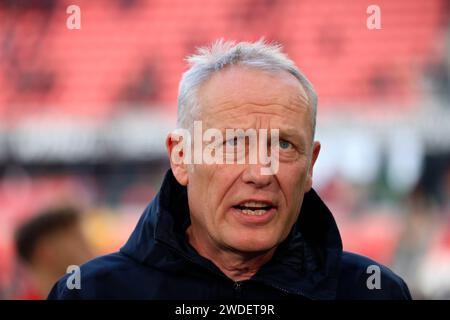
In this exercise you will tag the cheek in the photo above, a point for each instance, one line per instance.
(208, 187)
(292, 178)
(224, 187)
(222, 180)
(197, 189)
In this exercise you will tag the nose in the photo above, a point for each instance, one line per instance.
(252, 175)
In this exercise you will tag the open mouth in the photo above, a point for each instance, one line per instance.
(254, 208)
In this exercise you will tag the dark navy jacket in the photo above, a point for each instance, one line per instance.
(158, 263)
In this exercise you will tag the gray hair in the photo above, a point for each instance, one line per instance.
(209, 60)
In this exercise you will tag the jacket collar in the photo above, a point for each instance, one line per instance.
(306, 263)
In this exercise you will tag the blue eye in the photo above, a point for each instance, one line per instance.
(285, 144)
(233, 142)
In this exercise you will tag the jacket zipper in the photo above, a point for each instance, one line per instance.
(190, 259)
(237, 289)
(237, 285)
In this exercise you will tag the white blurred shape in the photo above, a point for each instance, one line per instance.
(404, 160)
(359, 156)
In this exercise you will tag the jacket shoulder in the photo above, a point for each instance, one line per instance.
(363, 278)
(100, 277)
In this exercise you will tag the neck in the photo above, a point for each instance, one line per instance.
(238, 266)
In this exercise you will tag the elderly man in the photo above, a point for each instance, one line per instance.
(228, 229)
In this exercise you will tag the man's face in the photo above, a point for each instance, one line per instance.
(234, 206)
(61, 248)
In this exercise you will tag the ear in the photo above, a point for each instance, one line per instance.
(314, 156)
(176, 145)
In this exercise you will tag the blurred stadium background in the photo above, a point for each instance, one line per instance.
(84, 114)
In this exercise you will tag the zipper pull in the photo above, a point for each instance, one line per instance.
(237, 286)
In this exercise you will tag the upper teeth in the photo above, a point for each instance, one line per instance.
(254, 212)
(254, 204)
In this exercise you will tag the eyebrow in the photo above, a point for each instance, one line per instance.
(294, 134)
(288, 133)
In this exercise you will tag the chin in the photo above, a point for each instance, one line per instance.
(252, 244)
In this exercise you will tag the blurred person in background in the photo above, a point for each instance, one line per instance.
(47, 244)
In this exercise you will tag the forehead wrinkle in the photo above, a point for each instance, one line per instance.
(237, 120)
(299, 100)
(237, 95)
(261, 108)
